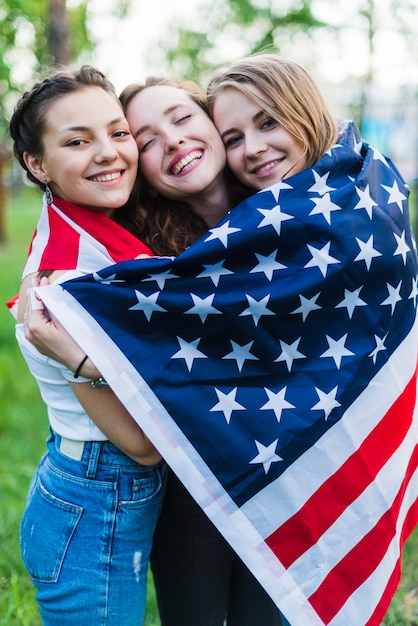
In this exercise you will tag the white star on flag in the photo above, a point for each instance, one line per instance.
(402, 248)
(108, 281)
(267, 265)
(357, 145)
(277, 188)
(147, 304)
(307, 305)
(203, 307)
(320, 187)
(188, 352)
(337, 349)
(395, 194)
(321, 258)
(214, 272)
(227, 403)
(257, 308)
(241, 353)
(367, 252)
(274, 217)
(380, 345)
(277, 402)
(327, 401)
(324, 206)
(160, 279)
(351, 301)
(222, 233)
(378, 156)
(414, 292)
(394, 296)
(366, 201)
(266, 455)
(289, 353)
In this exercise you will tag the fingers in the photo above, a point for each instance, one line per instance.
(34, 301)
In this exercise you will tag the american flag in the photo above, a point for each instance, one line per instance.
(273, 364)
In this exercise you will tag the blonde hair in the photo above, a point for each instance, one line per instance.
(297, 103)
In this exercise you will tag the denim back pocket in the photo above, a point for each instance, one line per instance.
(47, 527)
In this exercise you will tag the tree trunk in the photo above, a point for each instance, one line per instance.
(57, 32)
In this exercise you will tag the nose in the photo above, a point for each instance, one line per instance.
(254, 146)
(172, 140)
(106, 150)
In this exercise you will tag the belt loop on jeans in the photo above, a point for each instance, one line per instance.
(71, 448)
(94, 459)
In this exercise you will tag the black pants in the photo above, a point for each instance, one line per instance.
(199, 579)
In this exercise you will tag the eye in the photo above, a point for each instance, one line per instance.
(75, 142)
(268, 123)
(182, 119)
(121, 133)
(145, 144)
(232, 141)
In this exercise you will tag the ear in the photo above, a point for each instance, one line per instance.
(35, 166)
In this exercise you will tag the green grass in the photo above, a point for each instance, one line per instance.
(23, 429)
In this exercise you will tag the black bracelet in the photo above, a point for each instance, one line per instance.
(78, 370)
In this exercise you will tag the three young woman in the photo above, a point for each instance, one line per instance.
(198, 577)
(274, 124)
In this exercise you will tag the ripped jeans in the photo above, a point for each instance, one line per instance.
(87, 532)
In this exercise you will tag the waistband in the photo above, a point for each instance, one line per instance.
(83, 451)
(70, 447)
(90, 455)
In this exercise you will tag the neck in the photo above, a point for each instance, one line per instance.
(212, 204)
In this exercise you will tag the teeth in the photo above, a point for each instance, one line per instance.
(186, 161)
(266, 167)
(106, 177)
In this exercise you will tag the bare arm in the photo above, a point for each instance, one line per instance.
(107, 412)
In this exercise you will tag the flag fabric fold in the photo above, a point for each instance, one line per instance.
(69, 237)
(274, 365)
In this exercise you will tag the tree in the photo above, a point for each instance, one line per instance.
(35, 35)
(26, 40)
(228, 29)
(57, 32)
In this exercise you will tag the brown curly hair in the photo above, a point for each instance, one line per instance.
(167, 226)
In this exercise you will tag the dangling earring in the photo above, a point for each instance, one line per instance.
(48, 192)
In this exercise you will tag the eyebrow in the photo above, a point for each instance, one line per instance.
(236, 130)
(165, 112)
(83, 129)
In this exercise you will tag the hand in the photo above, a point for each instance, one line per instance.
(44, 331)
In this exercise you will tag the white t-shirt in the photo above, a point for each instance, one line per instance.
(66, 415)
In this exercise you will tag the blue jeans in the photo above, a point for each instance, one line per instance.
(87, 532)
(199, 579)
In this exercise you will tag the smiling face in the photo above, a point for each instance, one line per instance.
(260, 151)
(90, 157)
(180, 152)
